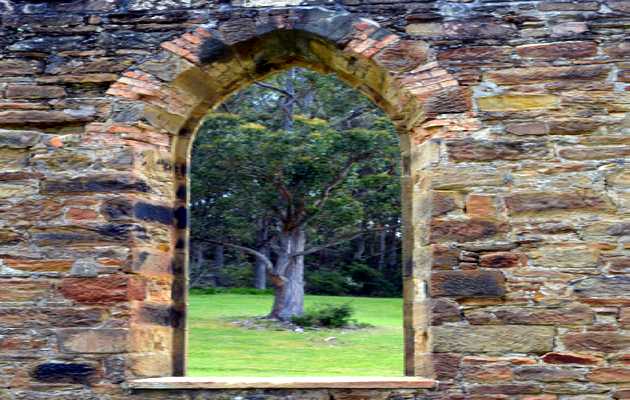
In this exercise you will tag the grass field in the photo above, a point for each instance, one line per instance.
(218, 348)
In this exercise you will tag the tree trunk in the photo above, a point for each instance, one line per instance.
(197, 264)
(218, 261)
(360, 249)
(260, 266)
(392, 256)
(260, 269)
(289, 102)
(382, 236)
(289, 294)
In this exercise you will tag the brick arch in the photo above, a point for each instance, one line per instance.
(165, 98)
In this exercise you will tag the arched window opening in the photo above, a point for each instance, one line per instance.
(295, 234)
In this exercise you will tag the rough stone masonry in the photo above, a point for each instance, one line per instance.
(514, 125)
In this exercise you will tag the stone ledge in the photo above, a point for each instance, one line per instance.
(283, 383)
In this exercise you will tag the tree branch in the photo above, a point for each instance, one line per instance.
(277, 279)
(340, 241)
(279, 90)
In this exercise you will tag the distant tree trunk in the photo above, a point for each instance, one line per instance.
(360, 249)
(260, 266)
(289, 294)
(392, 259)
(218, 261)
(288, 103)
(382, 236)
(197, 261)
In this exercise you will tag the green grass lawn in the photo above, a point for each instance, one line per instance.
(218, 348)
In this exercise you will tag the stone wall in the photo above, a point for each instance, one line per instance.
(514, 130)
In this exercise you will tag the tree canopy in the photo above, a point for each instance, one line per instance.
(298, 165)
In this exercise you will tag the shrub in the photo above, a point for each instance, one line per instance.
(326, 316)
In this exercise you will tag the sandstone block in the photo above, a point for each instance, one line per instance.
(34, 92)
(503, 259)
(14, 290)
(519, 76)
(571, 50)
(15, 139)
(566, 315)
(472, 229)
(610, 375)
(505, 389)
(546, 201)
(596, 341)
(594, 152)
(444, 310)
(444, 202)
(571, 358)
(482, 339)
(19, 67)
(476, 54)
(92, 341)
(517, 102)
(481, 206)
(616, 288)
(527, 128)
(47, 317)
(564, 256)
(467, 284)
(547, 374)
(486, 150)
(103, 290)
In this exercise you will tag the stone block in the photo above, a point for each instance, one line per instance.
(548, 201)
(92, 341)
(484, 339)
(570, 314)
(570, 50)
(488, 150)
(103, 290)
(503, 259)
(603, 342)
(444, 230)
(571, 358)
(610, 375)
(517, 102)
(467, 284)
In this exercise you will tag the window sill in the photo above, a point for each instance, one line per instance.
(180, 383)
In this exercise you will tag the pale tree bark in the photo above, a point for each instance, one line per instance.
(289, 294)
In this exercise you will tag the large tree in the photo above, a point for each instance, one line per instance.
(294, 165)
